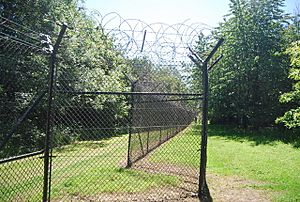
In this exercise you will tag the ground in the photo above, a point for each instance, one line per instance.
(222, 188)
(238, 170)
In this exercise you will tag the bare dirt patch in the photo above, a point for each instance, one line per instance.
(229, 188)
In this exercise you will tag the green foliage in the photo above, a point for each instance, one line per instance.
(291, 118)
(171, 79)
(89, 62)
(246, 83)
(86, 61)
(163, 78)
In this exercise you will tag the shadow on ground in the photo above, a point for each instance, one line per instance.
(268, 136)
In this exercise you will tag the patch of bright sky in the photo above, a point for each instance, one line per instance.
(210, 12)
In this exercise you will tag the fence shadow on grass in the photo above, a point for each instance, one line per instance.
(265, 136)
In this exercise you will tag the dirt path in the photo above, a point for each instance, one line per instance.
(222, 188)
(228, 188)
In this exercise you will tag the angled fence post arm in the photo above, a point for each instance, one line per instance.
(215, 62)
(214, 50)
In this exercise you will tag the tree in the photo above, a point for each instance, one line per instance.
(156, 77)
(87, 61)
(245, 85)
(291, 118)
(23, 73)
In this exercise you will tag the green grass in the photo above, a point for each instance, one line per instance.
(89, 168)
(249, 155)
(182, 150)
(144, 142)
(84, 168)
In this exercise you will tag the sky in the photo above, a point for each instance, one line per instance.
(210, 12)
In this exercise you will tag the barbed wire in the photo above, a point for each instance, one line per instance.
(159, 42)
(17, 38)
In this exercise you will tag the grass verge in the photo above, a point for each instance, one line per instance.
(249, 155)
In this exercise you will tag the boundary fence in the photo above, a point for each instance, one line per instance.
(88, 135)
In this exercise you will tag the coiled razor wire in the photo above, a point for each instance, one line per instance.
(159, 42)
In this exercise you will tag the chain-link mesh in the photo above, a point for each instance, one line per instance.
(156, 118)
(127, 138)
(22, 111)
(123, 130)
(95, 146)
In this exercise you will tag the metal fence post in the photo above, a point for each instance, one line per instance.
(160, 135)
(147, 141)
(130, 117)
(203, 191)
(46, 188)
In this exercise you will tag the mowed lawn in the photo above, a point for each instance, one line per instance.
(248, 155)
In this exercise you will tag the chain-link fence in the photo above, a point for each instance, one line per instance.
(23, 86)
(122, 125)
(127, 138)
(92, 146)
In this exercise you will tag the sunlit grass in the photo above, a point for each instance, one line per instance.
(249, 156)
